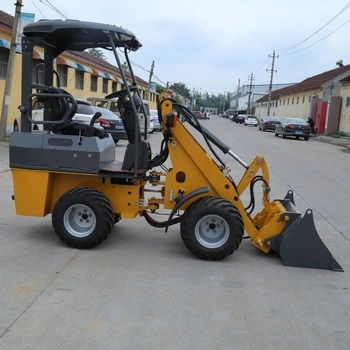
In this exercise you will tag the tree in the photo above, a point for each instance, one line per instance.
(97, 53)
(181, 89)
(125, 67)
(160, 89)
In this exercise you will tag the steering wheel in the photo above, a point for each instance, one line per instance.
(121, 93)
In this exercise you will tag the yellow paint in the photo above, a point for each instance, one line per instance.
(37, 191)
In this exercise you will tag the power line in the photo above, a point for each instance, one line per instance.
(53, 7)
(291, 53)
(282, 51)
(38, 8)
(262, 66)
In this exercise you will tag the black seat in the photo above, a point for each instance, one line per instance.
(62, 107)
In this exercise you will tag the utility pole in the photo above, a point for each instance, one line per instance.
(271, 79)
(237, 96)
(193, 100)
(223, 103)
(250, 92)
(9, 74)
(149, 81)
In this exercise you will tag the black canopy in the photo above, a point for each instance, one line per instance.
(76, 35)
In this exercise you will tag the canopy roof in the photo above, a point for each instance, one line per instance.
(80, 35)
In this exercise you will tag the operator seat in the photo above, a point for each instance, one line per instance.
(62, 108)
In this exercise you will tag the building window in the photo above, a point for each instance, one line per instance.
(4, 58)
(105, 86)
(79, 80)
(114, 86)
(93, 83)
(288, 102)
(297, 100)
(38, 72)
(347, 101)
(292, 100)
(303, 99)
(62, 71)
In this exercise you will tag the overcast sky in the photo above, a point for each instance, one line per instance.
(208, 45)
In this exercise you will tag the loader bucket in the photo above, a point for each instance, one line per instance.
(299, 244)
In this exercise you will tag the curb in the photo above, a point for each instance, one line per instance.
(342, 141)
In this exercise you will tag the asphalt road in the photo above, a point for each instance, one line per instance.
(142, 289)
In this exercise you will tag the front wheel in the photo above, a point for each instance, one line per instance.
(212, 228)
(83, 218)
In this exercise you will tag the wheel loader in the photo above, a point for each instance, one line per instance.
(70, 170)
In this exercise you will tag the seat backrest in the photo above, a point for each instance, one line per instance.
(60, 106)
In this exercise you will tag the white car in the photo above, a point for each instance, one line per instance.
(251, 120)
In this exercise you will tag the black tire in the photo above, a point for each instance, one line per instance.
(83, 218)
(116, 141)
(283, 135)
(223, 226)
(276, 133)
(306, 138)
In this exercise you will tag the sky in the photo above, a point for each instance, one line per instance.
(211, 45)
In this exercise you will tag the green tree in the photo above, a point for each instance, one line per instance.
(97, 53)
(181, 89)
(125, 67)
(160, 89)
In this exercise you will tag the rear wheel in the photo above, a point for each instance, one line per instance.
(283, 135)
(212, 228)
(83, 217)
(306, 138)
(276, 133)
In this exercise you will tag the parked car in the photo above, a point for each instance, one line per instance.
(251, 120)
(198, 114)
(268, 123)
(155, 120)
(84, 112)
(229, 114)
(240, 118)
(111, 123)
(296, 127)
(112, 104)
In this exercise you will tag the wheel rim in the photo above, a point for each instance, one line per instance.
(212, 231)
(79, 220)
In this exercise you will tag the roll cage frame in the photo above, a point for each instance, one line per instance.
(57, 36)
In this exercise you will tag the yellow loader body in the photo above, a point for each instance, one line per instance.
(69, 170)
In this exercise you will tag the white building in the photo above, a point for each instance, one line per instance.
(240, 98)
